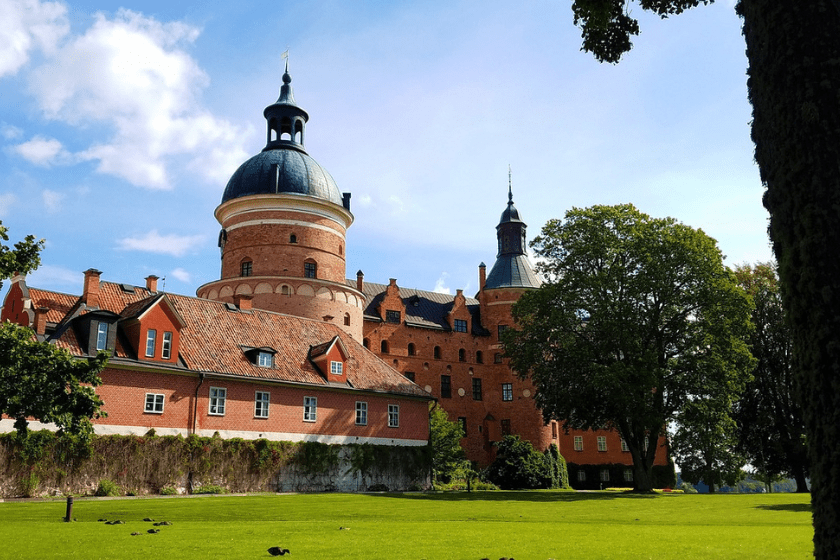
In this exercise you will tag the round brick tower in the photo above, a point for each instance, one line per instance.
(284, 225)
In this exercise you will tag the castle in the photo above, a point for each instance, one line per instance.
(283, 346)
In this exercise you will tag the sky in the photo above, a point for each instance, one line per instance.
(121, 123)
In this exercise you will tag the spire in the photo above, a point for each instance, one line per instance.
(286, 121)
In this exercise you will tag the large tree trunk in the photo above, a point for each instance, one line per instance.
(793, 48)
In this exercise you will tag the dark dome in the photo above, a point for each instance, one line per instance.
(282, 171)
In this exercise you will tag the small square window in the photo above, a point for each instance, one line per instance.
(392, 316)
(578, 443)
(602, 443)
(265, 359)
(445, 387)
(218, 396)
(459, 325)
(246, 268)
(102, 336)
(310, 409)
(166, 349)
(476, 389)
(154, 403)
(393, 416)
(310, 270)
(151, 337)
(507, 391)
(361, 413)
(261, 401)
(336, 368)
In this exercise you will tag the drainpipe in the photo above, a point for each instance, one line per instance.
(195, 401)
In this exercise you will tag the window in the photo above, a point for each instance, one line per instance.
(437, 353)
(310, 270)
(284, 290)
(310, 409)
(393, 416)
(361, 413)
(383, 346)
(605, 475)
(497, 358)
(462, 421)
(581, 476)
(293, 238)
(392, 316)
(409, 375)
(506, 426)
(624, 445)
(412, 350)
(261, 404)
(459, 325)
(366, 343)
(346, 319)
(166, 349)
(578, 443)
(479, 357)
(265, 359)
(102, 336)
(628, 475)
(337, 368)
(553, 430)
(151, 336)
(154, 403)
(602, 443)
(507, 391)
(476, 389)
(445, 387)
(502, 329)
(246, 268)
(217, 400)
(462, 355)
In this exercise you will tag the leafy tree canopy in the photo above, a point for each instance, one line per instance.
(24, 258)
(637, 319)
(448, 457)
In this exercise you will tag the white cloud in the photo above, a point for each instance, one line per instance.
(27, 25)
(10, 131)
(49, 275)
(52, 200)
(181, 275)
(153, 242)
(440, 285)
(133, 74)
(6, 201)
(43, 151)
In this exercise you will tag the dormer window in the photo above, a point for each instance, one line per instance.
(260, 357)
(459, 325)
(151, 339)
(392, 316)
(102, 336)
(336, 368)
(265, 359)
(166, 349)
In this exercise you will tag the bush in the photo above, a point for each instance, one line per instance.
(519, 466)
(107, 488)
(168, 491)
(210, 489)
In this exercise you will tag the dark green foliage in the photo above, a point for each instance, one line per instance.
(23, 259)
(210, 489)
(519, 466)
(448, 457)
(107, 488)
(316, 458)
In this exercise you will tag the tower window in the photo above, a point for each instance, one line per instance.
(346, 319)
(383, 346)
(246, 268)
(479, 357)
(476, 389)
(445, 387)
(310, 270)
(412, 350)
(293, 238)
(437, 353)
(284, 290)
(462, 355)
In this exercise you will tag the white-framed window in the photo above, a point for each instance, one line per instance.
(261, 400)
(151, 337)
(154, 403)
(393, 416)
(336, 368)
(310, 409)
(507, 391)
(581, 476)
(102, 336)
(605, 475)
(578, 443)
(218, 395)
(361, 413)
(628, 475)
(166, 348)
(265, 359)
(624, 445)
(602, 443)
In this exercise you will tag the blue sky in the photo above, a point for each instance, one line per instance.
(120, 124)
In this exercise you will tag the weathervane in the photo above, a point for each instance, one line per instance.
(510, 185)
(285, 56)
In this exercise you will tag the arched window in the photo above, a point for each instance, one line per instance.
(285, 129)
(310, 269)
(479, 357)
(366, 343)
(284, 290)
(346, 319)
(383, 346)
(246, 268)
(293, 238)
(462, 355)
(411, 349)
(437, 353)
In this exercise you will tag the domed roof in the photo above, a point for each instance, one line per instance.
(280, 171)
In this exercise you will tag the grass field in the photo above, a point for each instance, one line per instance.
(520, 525)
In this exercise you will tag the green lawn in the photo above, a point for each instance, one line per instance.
(520, 525)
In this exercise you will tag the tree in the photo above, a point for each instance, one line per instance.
(24, 258)
(792, 48)
(519, 466)
(448, 457)
(770, 425)
(637, 319)
(41, 381)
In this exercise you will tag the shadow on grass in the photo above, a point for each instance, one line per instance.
(799, 508)
(522, 496)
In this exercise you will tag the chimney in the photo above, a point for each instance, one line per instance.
(90, 293)
(242, 301)
(151, 283)
(482, 276)
(41, 320)
(360, 281)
